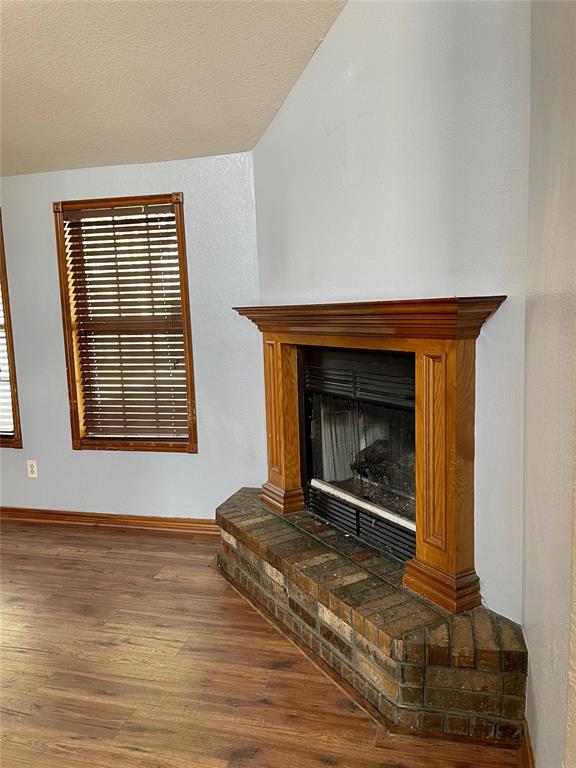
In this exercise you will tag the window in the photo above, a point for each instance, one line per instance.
(10, 435)
(126, 315)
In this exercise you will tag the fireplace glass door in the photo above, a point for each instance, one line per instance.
(364, 449)
(358, 443)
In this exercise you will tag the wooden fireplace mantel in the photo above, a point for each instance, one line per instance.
(441, 333)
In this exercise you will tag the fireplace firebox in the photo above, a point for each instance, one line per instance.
(358, 443)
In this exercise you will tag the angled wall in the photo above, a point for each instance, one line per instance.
(398, 168)
(550, 387)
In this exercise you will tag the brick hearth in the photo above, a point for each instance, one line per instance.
(420, 666)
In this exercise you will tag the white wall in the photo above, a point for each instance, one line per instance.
(398, 167)
(221, 240)
(550, 388)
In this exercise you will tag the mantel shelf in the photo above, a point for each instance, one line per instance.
(439, 318)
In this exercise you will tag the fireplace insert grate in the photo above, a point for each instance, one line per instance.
(383, 534)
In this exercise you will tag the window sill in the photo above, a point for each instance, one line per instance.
(11, 442)
(105, 444)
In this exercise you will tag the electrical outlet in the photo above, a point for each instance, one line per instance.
(32, 468)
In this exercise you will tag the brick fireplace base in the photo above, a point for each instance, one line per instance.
(420, 666)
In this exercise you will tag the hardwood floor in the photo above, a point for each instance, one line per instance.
(125, 649)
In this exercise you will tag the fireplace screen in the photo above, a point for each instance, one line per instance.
(358, 443)
(364, 449)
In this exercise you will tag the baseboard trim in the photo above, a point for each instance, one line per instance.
(526, 756)
(187, 525)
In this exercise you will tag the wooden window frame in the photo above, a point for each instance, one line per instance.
(80, 441)
(15, 440)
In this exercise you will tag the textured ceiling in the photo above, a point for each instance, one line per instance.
(105, 82)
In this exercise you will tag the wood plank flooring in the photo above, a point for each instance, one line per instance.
(126, 649)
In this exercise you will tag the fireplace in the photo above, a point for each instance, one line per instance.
(357, 433)
(370, 419)
(361, 540)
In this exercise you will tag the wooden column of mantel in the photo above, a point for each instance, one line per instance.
(283, 489)
(441, 333)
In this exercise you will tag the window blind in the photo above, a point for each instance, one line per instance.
(126, 303)
(6, 416)
(9, 414)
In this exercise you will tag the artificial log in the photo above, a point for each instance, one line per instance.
(378, 465)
